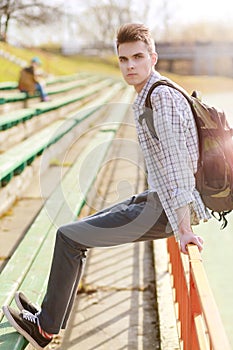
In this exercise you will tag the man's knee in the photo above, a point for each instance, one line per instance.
(64, 233)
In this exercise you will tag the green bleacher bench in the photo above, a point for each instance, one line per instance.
(13, 161)
(63, 101)
(11, 119)
(17, 97)
(28, 268)
(8, 85)
(79, 78)
(23, 96)
(12, 85)
(67, 78)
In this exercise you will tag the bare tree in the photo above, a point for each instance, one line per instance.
(102, 21)
(99, 21)
(27, 13)
(164, 28)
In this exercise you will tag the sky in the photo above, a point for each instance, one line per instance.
(185, 10)
(181, 12)
(197, 10)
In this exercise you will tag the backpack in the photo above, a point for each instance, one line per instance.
(214, 176)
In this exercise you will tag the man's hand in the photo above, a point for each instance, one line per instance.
(185, 231)
(188, 238)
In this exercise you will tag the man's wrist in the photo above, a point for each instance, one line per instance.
(183, 217)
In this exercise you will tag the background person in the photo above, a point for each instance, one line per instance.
(31, 79)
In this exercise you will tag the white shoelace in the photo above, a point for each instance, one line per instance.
(28, 316)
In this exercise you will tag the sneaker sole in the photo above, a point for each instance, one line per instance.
(18, 302)
(19, 329)
(20, 306)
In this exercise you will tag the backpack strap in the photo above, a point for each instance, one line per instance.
(168, 83)
(148, 114)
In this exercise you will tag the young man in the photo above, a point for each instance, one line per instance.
(164, 210)
(31, 80)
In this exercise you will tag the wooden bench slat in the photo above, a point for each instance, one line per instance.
(14, 340)
(19, 155)
(52, 105)
(13, 118)
(12, 85)
(8, 85)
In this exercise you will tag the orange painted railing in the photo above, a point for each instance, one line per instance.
(199, 323)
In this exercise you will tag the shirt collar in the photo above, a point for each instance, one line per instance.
(141, 97)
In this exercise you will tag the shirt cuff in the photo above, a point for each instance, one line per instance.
(180, 198)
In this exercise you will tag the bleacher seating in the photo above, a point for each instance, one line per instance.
(28, 267)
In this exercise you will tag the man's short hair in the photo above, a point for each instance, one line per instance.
(131, 32)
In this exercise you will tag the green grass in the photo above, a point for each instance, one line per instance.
(54, 64)
(8, 71)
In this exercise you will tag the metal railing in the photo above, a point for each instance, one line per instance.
(199, 323)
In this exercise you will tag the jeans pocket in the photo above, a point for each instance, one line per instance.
(141, 197)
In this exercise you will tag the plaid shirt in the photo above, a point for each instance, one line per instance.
(171, 155)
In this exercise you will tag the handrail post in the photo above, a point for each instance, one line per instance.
(203, 304)
(181, 292)
(199, 323)
(195, 311)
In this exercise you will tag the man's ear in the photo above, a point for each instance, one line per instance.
(154, 58)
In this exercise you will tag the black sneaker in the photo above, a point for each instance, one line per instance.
(24, 304)
(26, 324)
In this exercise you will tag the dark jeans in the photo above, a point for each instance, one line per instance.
(140, 218)
(39, 88)
(41, 91)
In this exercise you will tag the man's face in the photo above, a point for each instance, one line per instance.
(136, 63)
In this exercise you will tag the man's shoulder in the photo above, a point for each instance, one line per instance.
(28, 70)
(155, 80)
(162, 90)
